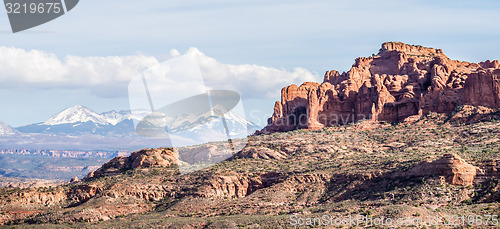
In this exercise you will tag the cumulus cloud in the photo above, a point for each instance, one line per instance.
(106, 76)
(109, 76)
(250, 80)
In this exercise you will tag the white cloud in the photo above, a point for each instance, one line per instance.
(38, 69)
(250, 80)
(109, 76)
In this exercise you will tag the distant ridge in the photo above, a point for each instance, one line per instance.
(79, 120)
(80, 113)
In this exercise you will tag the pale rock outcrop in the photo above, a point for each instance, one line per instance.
(454, 169)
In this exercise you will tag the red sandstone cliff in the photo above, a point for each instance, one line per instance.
(400, 81)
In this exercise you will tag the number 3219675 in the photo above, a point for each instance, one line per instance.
(479, 220)
(33, 8)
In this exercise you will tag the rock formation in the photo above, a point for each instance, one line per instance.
(260, 153)
(451, 167)
(400, 81)
(145, 158)
(74, 180)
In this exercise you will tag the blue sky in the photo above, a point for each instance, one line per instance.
(281, 35)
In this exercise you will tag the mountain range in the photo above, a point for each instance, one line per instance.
(79, 113)
(78, 126)
(79, 120)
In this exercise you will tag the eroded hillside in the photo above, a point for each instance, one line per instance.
(432, 166)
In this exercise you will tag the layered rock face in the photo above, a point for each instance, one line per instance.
(400, 81)
(451, 167)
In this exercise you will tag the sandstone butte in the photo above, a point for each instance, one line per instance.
(400, 83)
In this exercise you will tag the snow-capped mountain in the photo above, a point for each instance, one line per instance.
(186, 122)
(217, 124)
(76, 114)
(79, 120)
(7, 130)
(114, 117)
(214, 129)
(81, 114)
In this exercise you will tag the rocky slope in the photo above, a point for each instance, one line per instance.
(436, 165)
(399, 82)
